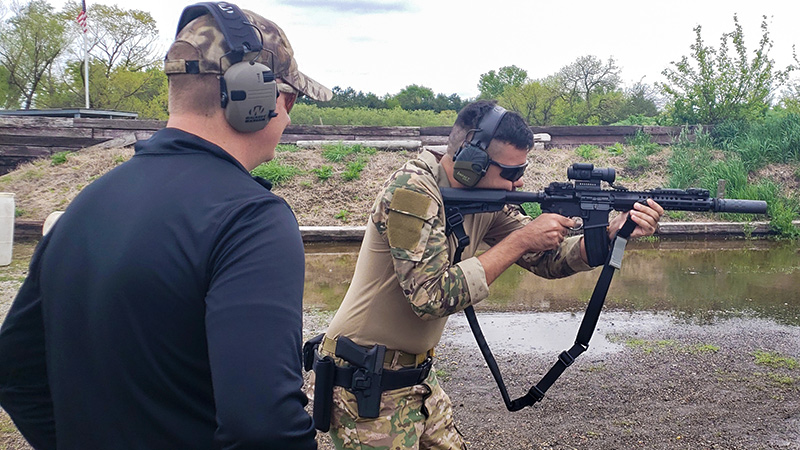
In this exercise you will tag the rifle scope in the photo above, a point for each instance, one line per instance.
(587, 172)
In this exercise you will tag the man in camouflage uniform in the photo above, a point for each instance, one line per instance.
(406, 284)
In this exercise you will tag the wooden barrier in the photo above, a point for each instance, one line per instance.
(26, 230)
(25, 138)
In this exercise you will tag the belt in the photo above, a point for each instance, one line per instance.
(403, 358)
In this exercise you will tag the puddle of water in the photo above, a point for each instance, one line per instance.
(697, 280)
(526, 333)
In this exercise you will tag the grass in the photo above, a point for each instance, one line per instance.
(276, 172)
(353, 170)
(342, 215)
(774, 360)
(732, 154)
(323, 173)
(650, 346)
(341, 152)
(642, 148)
(587, 151)
(59, 158)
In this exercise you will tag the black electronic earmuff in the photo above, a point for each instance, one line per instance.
(248, 90)
(471, 160)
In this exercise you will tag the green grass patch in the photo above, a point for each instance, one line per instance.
(703, 348)
(342, 215)
(287, 148)
(616, 149)
(774, 360)
(650, 346)
(442, 374)
(323, 173)
(341, 152)
(587, 151)
(532, 209)
(59, 158)
(276, 172)
(353, 170)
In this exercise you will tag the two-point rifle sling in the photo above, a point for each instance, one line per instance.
(455, 225)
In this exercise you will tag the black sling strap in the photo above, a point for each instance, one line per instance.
(455, 225)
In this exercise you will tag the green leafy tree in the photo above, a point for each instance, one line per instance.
(790, 99)
(141, 91)
(348, 98)
(30, 43)
(9, 95)
(711, 85)
(492, 84)
(540, 102)
(641, 99)
(122, 37)
(586, 78)
(415, 97)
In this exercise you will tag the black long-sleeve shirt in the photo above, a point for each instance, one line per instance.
(163, 311)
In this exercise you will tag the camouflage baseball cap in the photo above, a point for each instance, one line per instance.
(200, 47)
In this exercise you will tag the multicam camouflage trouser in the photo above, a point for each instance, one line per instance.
(416, 417)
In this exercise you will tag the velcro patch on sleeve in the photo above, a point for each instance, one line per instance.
(409, 213)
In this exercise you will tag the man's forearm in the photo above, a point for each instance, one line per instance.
(501, 256)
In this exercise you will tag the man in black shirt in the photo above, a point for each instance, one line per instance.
(163, 310)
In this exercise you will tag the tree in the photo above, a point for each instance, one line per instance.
(348, 98)
(712, 85)
(30, 43)
(586, 77)
(122, 38)
(414, 97)
(540, 102)
(492, 84)
(641, 99)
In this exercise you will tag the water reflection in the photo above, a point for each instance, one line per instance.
(699, 280)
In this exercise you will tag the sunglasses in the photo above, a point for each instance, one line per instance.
(510, 173)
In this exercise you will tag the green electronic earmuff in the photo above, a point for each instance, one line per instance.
(248, 90)
(471, 160)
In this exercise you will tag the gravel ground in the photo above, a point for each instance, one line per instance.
(654, 382)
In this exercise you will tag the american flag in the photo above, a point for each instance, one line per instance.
(82, 17)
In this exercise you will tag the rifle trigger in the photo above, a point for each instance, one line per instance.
(578, 224)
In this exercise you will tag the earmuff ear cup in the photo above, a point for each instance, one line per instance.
(470, 165)
(249, 94)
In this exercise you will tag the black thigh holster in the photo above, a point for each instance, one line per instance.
(365, 377)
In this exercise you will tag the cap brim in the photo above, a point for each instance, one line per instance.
(309, 87)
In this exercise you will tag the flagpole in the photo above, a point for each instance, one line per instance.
(82, 20)
(86, 69)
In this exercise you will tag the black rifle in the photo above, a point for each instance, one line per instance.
(584, 199)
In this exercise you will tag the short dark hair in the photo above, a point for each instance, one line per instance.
(512, 129)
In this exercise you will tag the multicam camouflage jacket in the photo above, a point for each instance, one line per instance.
(409, 214)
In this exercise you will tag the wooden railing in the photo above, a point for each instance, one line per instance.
(26, 138)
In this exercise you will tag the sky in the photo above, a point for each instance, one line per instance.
(382, 46)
